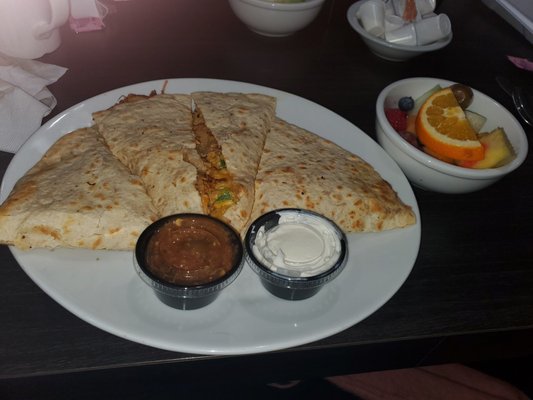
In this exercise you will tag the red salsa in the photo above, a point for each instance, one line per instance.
(192, 251)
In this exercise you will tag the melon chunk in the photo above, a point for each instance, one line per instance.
(421, 99)
(476, 120)
(498, 150)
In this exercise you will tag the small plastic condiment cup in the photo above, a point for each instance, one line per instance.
(182, 296)
(425, 7)
(282, 284)
(405, 35)
(393, 22)
(372, 16)
(431, 29)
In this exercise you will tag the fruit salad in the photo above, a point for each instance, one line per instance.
(441, 124)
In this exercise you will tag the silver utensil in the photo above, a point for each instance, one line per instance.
(521, 99)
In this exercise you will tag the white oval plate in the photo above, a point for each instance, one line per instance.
(102, 288)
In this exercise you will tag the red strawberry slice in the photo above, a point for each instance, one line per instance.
(397, 118)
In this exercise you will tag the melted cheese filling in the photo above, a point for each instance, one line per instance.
(215, 184)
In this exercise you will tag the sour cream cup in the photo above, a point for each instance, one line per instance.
(295, 252)
(205, 240)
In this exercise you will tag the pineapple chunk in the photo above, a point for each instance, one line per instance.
(498, 150)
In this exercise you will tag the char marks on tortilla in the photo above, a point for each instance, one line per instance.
(153, 136)
(303, 170)
(78, 195)
(156, 155)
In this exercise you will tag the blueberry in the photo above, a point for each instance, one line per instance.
(406, 103)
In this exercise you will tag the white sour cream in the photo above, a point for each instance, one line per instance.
(301, 245)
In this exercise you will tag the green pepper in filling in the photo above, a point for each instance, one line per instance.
(224, 195)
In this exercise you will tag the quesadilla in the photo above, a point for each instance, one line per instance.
(152, 135)
(78, 195)
(230, 131)
(301, 169)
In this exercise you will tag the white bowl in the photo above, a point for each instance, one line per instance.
(430, 173)
(386, 50)
(276, 19)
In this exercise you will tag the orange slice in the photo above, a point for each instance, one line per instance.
(442, 127)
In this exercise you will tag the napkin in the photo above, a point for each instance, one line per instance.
(522, 63)
(24, 98)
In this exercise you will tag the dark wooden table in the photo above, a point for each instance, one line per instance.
(470, 294)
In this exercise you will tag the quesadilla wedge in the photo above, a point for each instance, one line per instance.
(301, 169)
(78, 195)
(230, 130)
(152, 135)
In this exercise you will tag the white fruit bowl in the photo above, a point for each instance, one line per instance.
(429, 173)
(269, 18)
